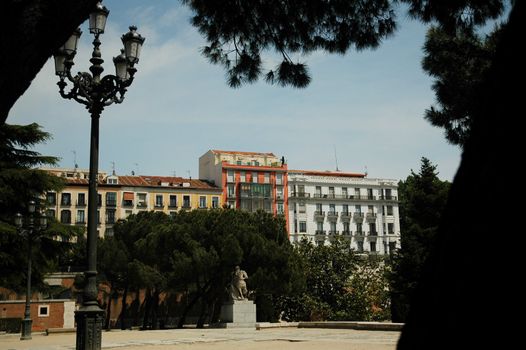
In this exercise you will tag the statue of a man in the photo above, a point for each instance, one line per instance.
(238, 286)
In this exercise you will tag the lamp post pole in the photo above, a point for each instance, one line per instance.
(29, 233)
(95, 93)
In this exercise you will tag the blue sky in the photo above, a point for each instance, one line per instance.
(368, 106)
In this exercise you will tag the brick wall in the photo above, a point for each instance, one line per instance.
(53, 319)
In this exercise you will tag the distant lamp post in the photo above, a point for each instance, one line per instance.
(95, 92)
(29, 230)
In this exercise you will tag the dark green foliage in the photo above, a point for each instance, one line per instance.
(20, 182)
(193, 254)
(459, 63)
(423, 197)
(239, 31)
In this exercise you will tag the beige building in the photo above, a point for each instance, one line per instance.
(120, 196)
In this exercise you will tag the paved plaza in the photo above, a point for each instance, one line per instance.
(218, 339)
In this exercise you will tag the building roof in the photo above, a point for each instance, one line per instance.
(151, 181)
(270, 154)
(327, 173)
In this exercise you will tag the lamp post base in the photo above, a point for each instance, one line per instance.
(27, 323)
(89, 327)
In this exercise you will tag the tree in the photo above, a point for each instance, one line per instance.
(459, 62)
(36, 29)
(20, 182)
(423, 197)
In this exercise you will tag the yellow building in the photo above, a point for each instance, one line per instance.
(120, 196)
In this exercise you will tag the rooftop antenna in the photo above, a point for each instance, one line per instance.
(174, 173)
(336, 159)
(75, 159)
(189, 176)
(113, 168)
(366, 170)
(136, 169)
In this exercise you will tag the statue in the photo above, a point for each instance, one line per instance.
(238, 286)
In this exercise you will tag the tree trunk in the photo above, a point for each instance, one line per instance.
(122, 316)
(155, 309)
(469, 286)
(33, 30)
(147, 308)
(108, 310)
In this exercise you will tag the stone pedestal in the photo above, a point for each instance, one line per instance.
(238, 314)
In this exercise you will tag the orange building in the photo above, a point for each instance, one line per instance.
(250, 180)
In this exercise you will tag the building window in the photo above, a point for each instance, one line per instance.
(127, 199)
(108, 232)
(303, 226)
(110, 216)
(279, 179)
(372, 246)
(344, 192)
(80, 217)
(280, 208)
(99, 199)
(332, 208)
(50, 213)
(279, 192)
(360, 246)
(319, 226)
(43, 310)
(357, 193)
(331, 192)
(215, 202)
(66, 199)
(65, 216)
(301, 207)
(255, 177)
(390, 228)
(333, 227)
(81, 199)
(370, 209)
(370, 193)
(111, 199)
(372, 229)
(388, 194)
(202, 201)
(318, 191)
(173, 201)
(51, 198)
(346, 230)
(266, 178)
(392, 247)
(358, 209)
(186, 202)
(345, 209)
(232, 204)
(389, 210)
(243, 177)
(359, 229)
(141, 200)
(158, 200)
(230, 176)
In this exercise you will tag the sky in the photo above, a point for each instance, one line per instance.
(362, 112)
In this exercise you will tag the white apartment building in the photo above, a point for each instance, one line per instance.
(324, 204)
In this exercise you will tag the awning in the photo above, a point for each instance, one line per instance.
(128, 196)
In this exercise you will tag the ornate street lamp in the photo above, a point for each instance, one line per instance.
(30, 232)
(95, 92)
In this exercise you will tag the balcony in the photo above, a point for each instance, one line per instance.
(320, 232)
(111, 202)
(141, 205)
(127, 204)
(346, 232)
(299, 195)
(333, 233)
(373, 233)
(231, 195)
(371, 216)
(332, 215)
(362, 197)
(345, 215)
(358, 216)
(388, 198)
(280, 197)
(81, 203)
(319, 214)
(158, 206)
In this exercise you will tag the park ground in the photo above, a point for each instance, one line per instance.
(218, 339)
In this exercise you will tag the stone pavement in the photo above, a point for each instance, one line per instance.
(218, 339)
